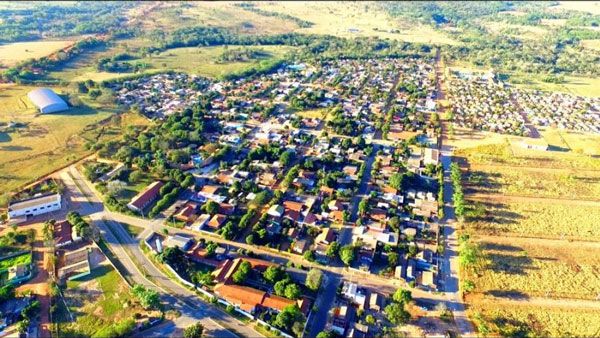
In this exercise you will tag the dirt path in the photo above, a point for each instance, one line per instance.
(492, 167)
(548, 242)
(561, 303)
(39, 286)
(531, 199)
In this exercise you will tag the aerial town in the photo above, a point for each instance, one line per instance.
(351, 187)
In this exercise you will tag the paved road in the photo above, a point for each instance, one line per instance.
(143, 271)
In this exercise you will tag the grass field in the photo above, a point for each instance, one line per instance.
(539, 219)
(202, 61)
(505, 154)
(13, 53)
(350, 19)
(582, 6)
(96, 301)
(320, 113)
(584, 86)
(529, 269)
(532, 182)
(530, 321)
(591, 44)
(47, 142)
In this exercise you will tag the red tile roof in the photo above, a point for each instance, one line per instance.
(147, 196)
(62, 233)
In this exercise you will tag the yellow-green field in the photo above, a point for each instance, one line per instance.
(584, 86)
(168, 17)
(530, 269)
(572, 184)
(13, 53)
(349, 19)
(539, 219)
(591, 44)
(505, 154)
(50, 141)
(203, 60)
(582, 6)
(519, 320)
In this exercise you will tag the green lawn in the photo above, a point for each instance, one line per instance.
(133, 230)
(17, 260)
(96, 301)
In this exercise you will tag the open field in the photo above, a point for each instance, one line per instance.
(505, 154)
(46, 142)
(203, 60)
(96, 301)
(569, 184)
(591, 44)
(13, 53)
(348, 19)
(582, 6)
(539, 219)
(83, 67)
(520, 31)
(524, 320)
(531, 269)
(584, 86)
(168, 17)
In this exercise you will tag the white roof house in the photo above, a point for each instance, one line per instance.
(47, 101)
(34, 206)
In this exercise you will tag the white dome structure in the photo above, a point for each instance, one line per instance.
(47, 101)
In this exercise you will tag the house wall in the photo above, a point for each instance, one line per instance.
(35, 210)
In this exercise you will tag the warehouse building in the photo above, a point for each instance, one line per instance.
(34, 206)
(47, 101)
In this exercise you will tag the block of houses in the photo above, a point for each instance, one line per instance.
(300, 246)
(33, 206)
(64, 234)
(431, 156)
(200, 222)
(327, 236)
(142, 200)
(356, 295)
(376, 301)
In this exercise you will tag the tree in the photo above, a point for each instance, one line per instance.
(292, 291)
(326, 334)
(48, 230)
(273, 274)
(193, 331)
(333, 249)
(242, 272)
(309, 255)
(396, 181)
(396, 313)
(363, 206)
(347, 254)
(211, 207)
(250, 239)
(392, 258)
(7, 292)
(314, 279)
(148, 298)
(286, 318)
(402, 296)
(280, 287)
(370, 320)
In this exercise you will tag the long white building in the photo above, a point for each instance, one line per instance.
(34, 206)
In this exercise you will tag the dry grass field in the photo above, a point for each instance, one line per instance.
(533, 269)
(44, 143)
(539, 219)
(592, 7)
(13, 53)
(591, 44)
(349, 19)
(526, 320)
(505, 154)
(535, 182)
